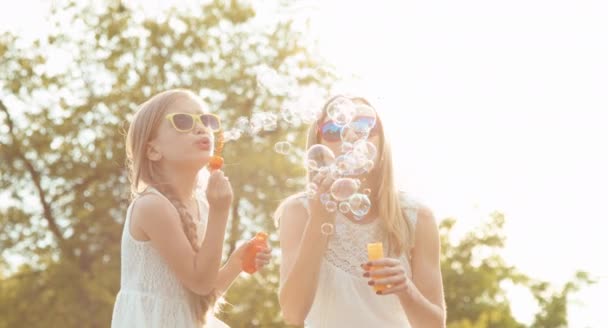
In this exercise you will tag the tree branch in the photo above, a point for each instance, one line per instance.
(35, 175)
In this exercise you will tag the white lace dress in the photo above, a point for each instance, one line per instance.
(150, 294)
(343, 297)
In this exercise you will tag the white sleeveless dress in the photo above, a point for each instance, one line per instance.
(343, 298)
(150, 293)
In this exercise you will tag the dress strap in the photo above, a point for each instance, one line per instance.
(410, 207)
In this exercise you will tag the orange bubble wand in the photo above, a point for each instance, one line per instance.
(217, 161)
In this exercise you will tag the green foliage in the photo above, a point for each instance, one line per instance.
(64, 101)
(64, 104)
(474, 274)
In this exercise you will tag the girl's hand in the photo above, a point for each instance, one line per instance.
(219, 191)
(392, 275)
(262, 258)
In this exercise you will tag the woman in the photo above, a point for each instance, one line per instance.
(326, 279)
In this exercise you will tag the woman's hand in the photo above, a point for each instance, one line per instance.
(390, 273)
(318, 209)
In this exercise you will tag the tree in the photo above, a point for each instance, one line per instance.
(474, 274)
(64, 101)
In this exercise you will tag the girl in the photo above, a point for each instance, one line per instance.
(172, 242)
(326, 279)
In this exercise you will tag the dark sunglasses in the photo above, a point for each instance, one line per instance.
(330, 131)
(185, 122)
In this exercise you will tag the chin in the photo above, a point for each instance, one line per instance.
(203, 161)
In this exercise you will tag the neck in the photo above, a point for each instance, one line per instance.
(183, 181)
(368, 181)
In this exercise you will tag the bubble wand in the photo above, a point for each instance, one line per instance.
(217, 161)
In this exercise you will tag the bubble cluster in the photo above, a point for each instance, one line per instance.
(346, 129)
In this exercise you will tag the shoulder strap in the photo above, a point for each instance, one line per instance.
(410, 209)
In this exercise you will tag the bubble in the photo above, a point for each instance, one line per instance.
(325, 170)
(331, 206)
(327, 228)
(368, 166)
(312, 165)
(232, 134)
(269, 122)
(325, 198)
(309, 115)
(305, 106)
(364, 149)
(321, 155)
(343, 188)
(312, 186)
(359, 204)
(291, 116)
(341, 110)
(334, 174)
(344, 164)
(256, 123)
(346, 147)
(353, 132)
(282, 147)
(358, 218)
(344, 207)
(368, 114)
(242, 125)
(311, 190)
(270, 80)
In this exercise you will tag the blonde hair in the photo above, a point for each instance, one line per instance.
(384, 196)
(144, 172)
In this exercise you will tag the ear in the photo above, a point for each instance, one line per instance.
(153, 153)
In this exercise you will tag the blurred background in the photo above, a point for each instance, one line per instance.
(497, 113)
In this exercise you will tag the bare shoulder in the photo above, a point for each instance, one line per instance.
(152, 212)
(427, 229)
(292, 210)
(426, 217)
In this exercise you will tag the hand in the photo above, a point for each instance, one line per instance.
(391, 274)
(318, 210)
(262, 257)
(219, 191)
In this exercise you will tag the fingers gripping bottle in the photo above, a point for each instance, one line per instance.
(259, 241)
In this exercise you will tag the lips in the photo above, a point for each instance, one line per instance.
(203, 143)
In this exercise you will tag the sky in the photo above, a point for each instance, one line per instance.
(495, 106)
(489, 105)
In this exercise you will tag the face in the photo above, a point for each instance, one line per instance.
(330, 134)
(181, 139)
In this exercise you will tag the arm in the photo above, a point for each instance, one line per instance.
(302, 246)
(233, 267)
(421, 298)
(228, 273)
(160, 222)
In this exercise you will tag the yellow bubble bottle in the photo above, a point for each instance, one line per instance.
(375, 252)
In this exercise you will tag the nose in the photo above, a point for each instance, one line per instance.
(200, 128)
(350, 135)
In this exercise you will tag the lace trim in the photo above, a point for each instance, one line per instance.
(347, 247)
